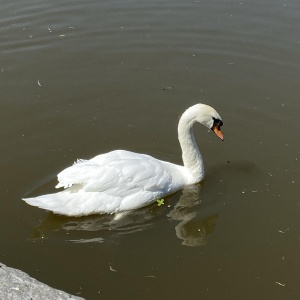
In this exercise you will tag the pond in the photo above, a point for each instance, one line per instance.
(80, 78)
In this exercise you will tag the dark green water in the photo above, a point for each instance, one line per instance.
(80, 78)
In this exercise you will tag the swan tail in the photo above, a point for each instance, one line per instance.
(75, 204)
(51, 202)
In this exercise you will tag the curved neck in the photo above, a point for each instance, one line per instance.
(191, 155)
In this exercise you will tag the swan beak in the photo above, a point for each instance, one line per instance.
(218, 132)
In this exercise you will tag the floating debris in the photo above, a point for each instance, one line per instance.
(279, 283)
(113, 270)
(283, 231)
(38, 82)
(160, 202)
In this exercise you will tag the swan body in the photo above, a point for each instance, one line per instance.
(121, 180)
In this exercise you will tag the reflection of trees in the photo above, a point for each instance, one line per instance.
(191, 229)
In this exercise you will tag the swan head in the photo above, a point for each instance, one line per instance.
(207, 116)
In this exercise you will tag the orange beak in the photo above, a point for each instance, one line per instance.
(218, 132)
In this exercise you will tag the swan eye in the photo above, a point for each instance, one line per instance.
(217, 123)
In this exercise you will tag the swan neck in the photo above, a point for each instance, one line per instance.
(191, 156)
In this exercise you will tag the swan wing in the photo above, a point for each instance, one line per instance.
(121, 173)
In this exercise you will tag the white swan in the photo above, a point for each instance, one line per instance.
(121, 180)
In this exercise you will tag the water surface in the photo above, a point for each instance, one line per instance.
(80, 78)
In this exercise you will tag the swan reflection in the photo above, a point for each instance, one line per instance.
(191, 225)
(191, 229)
